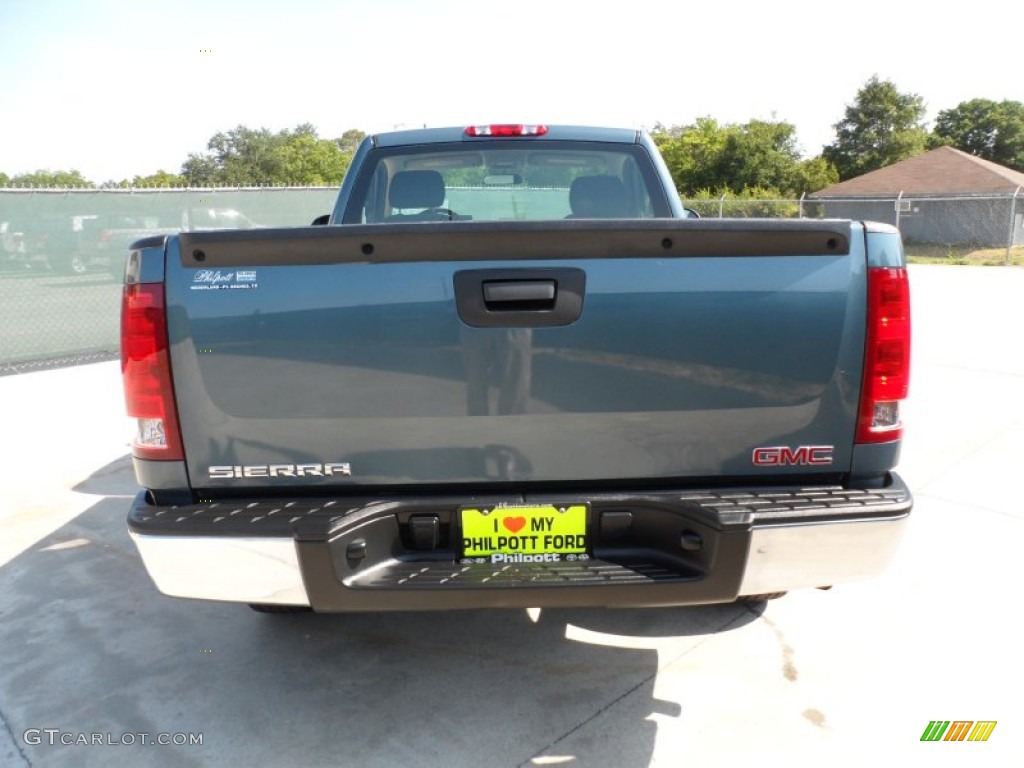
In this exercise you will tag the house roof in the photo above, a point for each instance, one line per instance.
(943, 171)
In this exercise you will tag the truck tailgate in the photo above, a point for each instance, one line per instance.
(433, 354)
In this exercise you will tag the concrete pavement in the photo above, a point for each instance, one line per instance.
(846, 677)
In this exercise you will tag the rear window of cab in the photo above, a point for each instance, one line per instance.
(505, 181)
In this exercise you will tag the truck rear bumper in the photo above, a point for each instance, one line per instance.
(658, 549)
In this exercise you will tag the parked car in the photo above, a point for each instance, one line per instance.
(111, 236)
(55, 242)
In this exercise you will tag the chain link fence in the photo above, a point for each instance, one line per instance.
(988, 227)
(62, 254)
(62, 251)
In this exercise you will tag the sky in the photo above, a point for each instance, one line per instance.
(116, 89)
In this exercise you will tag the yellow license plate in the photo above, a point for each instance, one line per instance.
(530, 532)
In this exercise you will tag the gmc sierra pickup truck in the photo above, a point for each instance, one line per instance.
(511, 371)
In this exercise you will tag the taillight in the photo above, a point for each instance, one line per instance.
(146, 371)
(506, 130)
(887, 356)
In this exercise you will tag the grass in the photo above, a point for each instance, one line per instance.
(960, 254)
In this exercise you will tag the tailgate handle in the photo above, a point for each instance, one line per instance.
(519, 297)
(519, 294)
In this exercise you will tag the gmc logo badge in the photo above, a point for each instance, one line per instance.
(801, 456)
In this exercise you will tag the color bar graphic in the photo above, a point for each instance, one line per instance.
(958, 730)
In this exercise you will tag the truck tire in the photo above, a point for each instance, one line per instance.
(269, 608)
(760, 598)
(73, 264)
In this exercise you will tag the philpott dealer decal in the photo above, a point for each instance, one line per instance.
(222, 280)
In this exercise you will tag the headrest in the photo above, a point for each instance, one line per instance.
(416, 189)
(598, 197)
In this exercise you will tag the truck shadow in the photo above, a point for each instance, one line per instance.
(90, 646)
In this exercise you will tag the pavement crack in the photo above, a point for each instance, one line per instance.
(789, 670)
(16, 742)
(626, 694)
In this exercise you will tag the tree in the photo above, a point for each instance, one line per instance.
(4, 179)
(240, 157)
(881, 127)
(308, 161)
(760, 154)
(816, 173)
(733, 158)
(51, 179)
(349, 141)
(200, 171)
(161, 178)
(692, 152)
(247, 157)
(988, 129)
